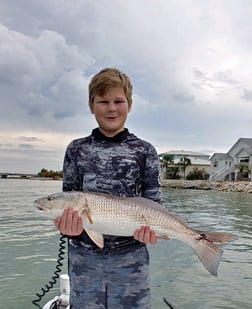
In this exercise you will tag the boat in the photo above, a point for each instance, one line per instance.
(61, 301)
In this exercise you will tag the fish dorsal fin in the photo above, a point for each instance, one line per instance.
(96, 237)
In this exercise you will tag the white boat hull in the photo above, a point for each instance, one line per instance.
(62, 301)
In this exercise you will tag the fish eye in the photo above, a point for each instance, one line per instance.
(49, 198)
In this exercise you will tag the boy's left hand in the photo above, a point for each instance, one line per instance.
(146, 235)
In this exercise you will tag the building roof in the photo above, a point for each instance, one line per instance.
(246, 141)
(221, 156)
(185, 153)
(196, 158)
(196, 161)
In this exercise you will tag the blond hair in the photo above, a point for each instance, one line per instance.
(109, 78)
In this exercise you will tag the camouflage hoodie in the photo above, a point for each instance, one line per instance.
(123, 165)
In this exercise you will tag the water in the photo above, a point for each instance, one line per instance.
(29, 247)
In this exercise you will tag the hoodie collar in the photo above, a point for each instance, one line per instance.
(118, 138)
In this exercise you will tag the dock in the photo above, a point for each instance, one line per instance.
(17, 176)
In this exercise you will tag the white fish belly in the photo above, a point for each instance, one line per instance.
(112, 226)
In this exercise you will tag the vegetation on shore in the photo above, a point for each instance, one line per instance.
(50, 174)
(174, 170)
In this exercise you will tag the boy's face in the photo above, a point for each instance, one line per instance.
(110, 110)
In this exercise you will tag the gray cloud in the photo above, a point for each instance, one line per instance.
(46, 73)
(189, 62)
(29, 139)
(247, 95)
(25, 146)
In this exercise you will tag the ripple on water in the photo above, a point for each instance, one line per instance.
(29, 248)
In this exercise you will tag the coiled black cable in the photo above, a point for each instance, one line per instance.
(55, 276)
(167, 303)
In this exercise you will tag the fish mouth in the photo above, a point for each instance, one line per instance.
(39, 207)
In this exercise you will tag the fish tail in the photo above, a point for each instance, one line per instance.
(219, 237)
(209, 254)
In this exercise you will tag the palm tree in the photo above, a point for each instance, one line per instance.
(184, 162)
(244, 170)
(167, 160)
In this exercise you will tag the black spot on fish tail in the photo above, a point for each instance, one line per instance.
(203, 237)
(167, 303)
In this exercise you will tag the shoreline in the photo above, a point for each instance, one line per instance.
(226, 186)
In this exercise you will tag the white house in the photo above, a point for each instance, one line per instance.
(223, 164)
(199, 160)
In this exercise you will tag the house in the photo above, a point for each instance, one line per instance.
(197, 160)
(224, 165)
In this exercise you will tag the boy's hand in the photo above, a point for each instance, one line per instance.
(146, 235)
(69, 224)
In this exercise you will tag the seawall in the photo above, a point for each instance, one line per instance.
(227, 186)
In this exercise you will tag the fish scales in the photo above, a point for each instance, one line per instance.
(121, 216)
(132, 213)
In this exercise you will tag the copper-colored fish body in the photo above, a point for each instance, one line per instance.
(121, 216)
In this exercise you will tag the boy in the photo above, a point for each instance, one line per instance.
(113, 161)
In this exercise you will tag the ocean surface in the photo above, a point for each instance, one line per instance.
(29, 249)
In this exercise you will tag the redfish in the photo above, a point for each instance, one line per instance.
(104, 214)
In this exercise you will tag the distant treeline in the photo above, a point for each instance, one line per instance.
(50, 174)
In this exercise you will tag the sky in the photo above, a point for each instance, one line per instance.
(190, 63)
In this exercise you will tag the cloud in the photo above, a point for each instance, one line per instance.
(29, 139)
(33, 154)
(189, 62)
(25, 146)
(247, 95)
(46, 73)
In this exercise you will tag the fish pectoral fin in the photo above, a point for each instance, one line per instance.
(85, 210)
(86, 213)
(89, 217)
(96, 237)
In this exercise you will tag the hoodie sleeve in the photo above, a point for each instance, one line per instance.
(151, 179)
(71, 177)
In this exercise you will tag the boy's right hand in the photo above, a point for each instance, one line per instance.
(70, 223)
